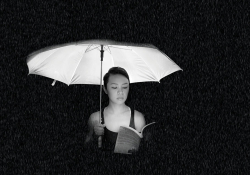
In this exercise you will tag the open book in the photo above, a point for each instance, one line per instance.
(128, 139)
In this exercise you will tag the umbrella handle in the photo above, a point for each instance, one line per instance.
(100, 137)
(99, 141)
(54, 82)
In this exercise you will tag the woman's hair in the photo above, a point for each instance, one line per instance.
(114, 71)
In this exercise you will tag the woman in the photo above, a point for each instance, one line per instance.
(117, 113)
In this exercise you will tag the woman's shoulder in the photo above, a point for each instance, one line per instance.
(94, 116)
(139, 120)
(138, 114)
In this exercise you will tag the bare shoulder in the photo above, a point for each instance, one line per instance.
(139, 120)
(138, 115)
(94, 117)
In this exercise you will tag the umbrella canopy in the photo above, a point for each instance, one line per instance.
(79, 63)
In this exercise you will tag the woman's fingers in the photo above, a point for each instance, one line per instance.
(99, 129)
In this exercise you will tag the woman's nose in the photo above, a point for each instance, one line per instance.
(120, 91)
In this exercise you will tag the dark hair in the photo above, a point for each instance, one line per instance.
(114, 71)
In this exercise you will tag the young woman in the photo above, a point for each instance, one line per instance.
(117, 113)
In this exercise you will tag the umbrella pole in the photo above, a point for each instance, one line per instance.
(100, 137)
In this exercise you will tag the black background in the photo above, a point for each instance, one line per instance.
(201, 112)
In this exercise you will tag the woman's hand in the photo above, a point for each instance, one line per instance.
(99, 129)
(132, 151)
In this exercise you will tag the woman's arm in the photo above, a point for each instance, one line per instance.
(139, 124)
(139, 121)
(89, 136)
(94, 127)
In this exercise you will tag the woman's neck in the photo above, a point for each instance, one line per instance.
(116, 108)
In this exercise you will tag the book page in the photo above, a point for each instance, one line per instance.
(127, 140)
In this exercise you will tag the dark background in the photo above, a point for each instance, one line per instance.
(201, 112)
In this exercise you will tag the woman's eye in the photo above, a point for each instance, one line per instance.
(116, 87)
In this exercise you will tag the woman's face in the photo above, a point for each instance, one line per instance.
(117, 88)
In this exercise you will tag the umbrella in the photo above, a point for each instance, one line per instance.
(80, 63)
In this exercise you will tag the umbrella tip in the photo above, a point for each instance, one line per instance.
(54, 82)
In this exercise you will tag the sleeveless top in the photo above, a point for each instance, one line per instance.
(110, 136)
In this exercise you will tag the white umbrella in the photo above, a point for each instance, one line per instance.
(80, 63)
